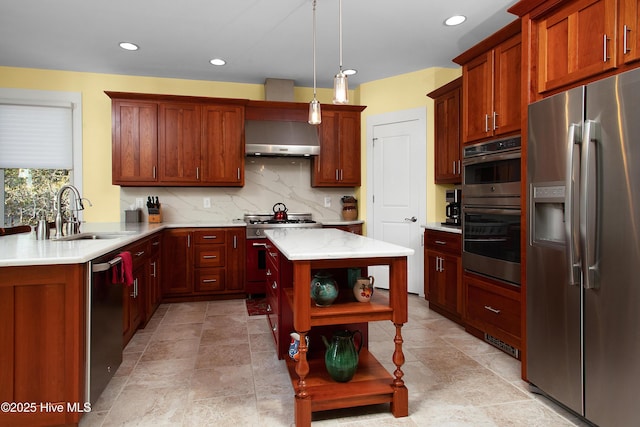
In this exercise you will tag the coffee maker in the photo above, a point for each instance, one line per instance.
(453, 209)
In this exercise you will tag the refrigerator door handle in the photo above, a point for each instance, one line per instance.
(588, 203)
(570, 219)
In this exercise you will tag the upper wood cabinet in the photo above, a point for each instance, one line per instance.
(223, 145)
(338, 164)
(491, 85)
(447, 150)
(135, 142)
(179, 143)
(629, 29)
(576, 41)
(164, 140)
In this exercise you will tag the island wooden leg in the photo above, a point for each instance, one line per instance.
(302, 410)
(400, 402)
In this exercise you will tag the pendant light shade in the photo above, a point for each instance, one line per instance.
(315, 115)
(340, 85)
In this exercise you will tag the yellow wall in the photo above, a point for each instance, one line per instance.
(396, 93)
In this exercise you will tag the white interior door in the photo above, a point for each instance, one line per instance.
(396, 183)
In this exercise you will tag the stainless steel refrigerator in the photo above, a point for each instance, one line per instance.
(583, 249)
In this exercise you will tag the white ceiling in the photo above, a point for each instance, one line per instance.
(258, 38)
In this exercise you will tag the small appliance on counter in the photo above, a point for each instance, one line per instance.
(453, 199)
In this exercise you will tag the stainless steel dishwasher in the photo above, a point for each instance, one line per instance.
(104, 325)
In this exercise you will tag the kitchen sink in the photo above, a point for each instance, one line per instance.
(95, 236)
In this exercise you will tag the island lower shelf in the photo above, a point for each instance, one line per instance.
(371, 384)
(347, 312)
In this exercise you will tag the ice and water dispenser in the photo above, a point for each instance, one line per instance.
(547, 213)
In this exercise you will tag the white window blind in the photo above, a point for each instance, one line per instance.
(36, 136)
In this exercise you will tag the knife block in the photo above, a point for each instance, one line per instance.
(155, 216)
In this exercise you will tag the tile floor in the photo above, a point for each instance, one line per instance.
(209, 364)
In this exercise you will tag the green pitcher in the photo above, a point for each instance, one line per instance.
(341, 357)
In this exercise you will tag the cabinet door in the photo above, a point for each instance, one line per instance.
(447, 138)
(135, 142)
(236, 260)
(443, 282)
(477, 93)
(179, 143)
(506, 72)
(327, 164)
(133, 304)
(152, 291)
(349, 142)
(177, 262)
(222, 145)
(629, 30)
(576, 42)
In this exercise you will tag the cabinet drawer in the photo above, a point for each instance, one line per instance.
(139, 253)
(490, 308)
(154, 244)
(443, 241)
(273, 258)
(209, 279)
(209, 237)
(209, 256)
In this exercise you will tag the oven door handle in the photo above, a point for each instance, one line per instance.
(497, 210)
(256, 245)
(486, 158)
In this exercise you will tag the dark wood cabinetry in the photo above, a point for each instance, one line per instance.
(42, 337)
(493, 308)
(443, 273)
(135, 296)
(177, 140)
(351, 228)
(153, 291)
(491, 85)
(447, 147)
(203, 262)
(338, 164)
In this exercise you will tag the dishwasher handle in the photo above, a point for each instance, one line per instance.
(104, 266)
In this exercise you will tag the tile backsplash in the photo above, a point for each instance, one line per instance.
(268, 180)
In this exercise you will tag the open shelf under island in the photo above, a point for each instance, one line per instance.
(307, 250)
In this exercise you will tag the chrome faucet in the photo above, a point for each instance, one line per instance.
(74, 223)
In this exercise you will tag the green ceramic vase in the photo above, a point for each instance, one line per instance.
(324, 290)
(341, 356)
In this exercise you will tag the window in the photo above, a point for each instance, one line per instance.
(40, 150)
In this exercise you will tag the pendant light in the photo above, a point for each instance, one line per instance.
(340, 86)
(315, 115)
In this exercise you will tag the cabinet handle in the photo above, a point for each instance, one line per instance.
(495, 120)
(605, 39)
(274, 285)
(269, 308)
(209, 280)
(209, 237)
(268, 273)
(341, 174)
(197, 173)
(238, 174)
(139, 254)
(188, 240)
(491, 309)
(235, 242)
(275, 328)
(155, 243)
(486, 123)
(337, 175)
(209, 256)
(625, 47)
(134, 292)
(440, 242)
(273, 254)
(154, 269)
(459, 168)
(153, 171)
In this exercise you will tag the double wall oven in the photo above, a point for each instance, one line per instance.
(256, 275)
(491, 220)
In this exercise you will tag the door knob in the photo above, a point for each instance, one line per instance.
(412, 219)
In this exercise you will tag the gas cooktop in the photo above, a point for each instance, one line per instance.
(257, 223)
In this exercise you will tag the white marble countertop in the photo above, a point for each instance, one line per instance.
(330, 243)
(24, 249)
(440, 227)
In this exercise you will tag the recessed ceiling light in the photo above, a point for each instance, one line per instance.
(129, 46)
(350, 72)
(217, 61)
(455, 20)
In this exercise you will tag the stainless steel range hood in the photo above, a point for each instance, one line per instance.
(280, 138)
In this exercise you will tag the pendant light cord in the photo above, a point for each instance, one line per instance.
(340, 24)
(314, 49)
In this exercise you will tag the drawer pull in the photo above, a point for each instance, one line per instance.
(139, 253)
(210, 256)
(274, 285)
(268, 273)
(273, 254)
(268, 308)
(209, 280)
(440, 242)
(491, 309)
(209, 237)
(155, 243)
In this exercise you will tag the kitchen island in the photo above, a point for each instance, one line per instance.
(313, 249)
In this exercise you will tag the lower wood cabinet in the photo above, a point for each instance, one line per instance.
(351, 228)
(42, 342)
(201, 263)
(443, 273)
(492, 307)
(134, 296)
